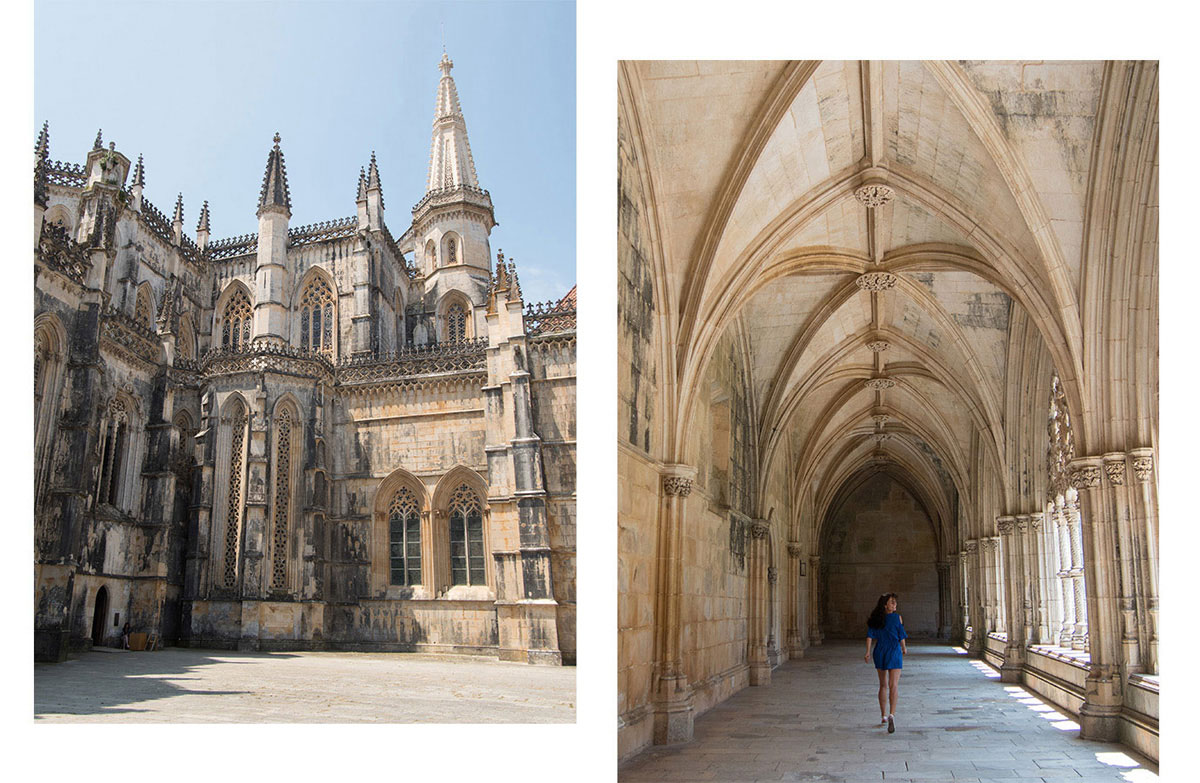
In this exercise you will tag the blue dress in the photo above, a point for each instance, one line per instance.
(887, 653)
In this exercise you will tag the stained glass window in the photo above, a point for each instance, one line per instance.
(316, 316)
(404, 538)
(466, 538)
(235, 330)
(456, 323)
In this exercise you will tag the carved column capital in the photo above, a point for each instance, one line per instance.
(970, 546)
(1004, 524)
(1036, 519)
(1085, 473)
(795, 549)
(678, 479)
(1114, 468)
(759, 528)
(1143, 463)
(1022, 523)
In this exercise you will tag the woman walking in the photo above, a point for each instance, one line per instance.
(885, 633)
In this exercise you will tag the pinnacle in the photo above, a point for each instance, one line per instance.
(362, 184)
(42, 148)
(445, 64)
(99, 143)
(139, 172)
(373, 174)
(275, 188)
(203, 225)
(178, 209)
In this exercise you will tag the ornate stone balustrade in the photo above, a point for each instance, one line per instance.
(62, 254)
(71, 175)
(259, 357)
(233, 247)
(319, 232)
(549, 318)
(434, 198)
(157, 222)
(439, 358)
(129, 336)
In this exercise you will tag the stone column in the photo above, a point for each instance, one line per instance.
(1010, 557)
(1145, 513)
(672, 695)
(254, 577)
(756, 653)
(1026, 573)
(773, 657)
(1066, 582)
(945, 604)
(1074, 530)
(992, 556)
(975, 597)
(1118, 502)
(1099, 716)
(795, 635)
(1039, 568)
(815, 636)
(962, 619)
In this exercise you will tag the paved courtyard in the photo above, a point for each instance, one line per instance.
(818, 721)
(179, 685)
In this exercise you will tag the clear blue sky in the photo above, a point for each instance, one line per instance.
(199, 88)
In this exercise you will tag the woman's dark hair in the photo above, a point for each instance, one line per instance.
(876, 620)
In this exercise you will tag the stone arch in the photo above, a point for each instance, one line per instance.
(431, 256)
(143, 308)
(121, 443)
(229, 503)
(234, 309)
(59, 215)
(445, 495)
(452, 249)
(400, 482)
(185, 340)
(49, 370)
(316, 294)
(455, 317)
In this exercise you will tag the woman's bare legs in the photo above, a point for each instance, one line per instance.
(893, 676)
(883, 690)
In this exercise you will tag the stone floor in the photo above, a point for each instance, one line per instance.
(178, 685)
(818, 721)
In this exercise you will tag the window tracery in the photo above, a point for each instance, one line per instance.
(283, 498)
(184, 345)
(143, 310)
(235, 329)
(456, 323)
(404, 538)
(316, 316)
(466, 538)
(114, 458)
(233, 512)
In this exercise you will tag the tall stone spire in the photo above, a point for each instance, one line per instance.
(450, 161)
(275, 188)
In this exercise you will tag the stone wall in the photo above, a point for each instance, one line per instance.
(879, 541)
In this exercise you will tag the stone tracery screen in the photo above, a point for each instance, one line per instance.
(404, 538)
(466, 538)
(235, 330)
(316, 316)
(283, 499)
(143, 312)
(456, 323)
(233, 512)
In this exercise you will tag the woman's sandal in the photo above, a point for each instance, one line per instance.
(891, 722)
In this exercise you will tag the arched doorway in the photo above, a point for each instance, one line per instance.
(100, 617)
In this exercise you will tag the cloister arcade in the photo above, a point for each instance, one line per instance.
(888, 326)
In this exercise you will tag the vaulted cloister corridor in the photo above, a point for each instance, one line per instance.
(956, 722)
(887, 327)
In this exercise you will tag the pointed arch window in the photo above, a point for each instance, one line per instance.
(143, 311)
(466, 538)
(404, 538)
(451, 252)
(233, 505)
(115, 457)
(431, 255)
(456, 322)
(282, 516)
(316, 316)
(235, 328)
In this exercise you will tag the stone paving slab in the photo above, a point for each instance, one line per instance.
(177, 685)
(817, 721)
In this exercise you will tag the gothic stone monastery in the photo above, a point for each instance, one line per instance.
(315, 437)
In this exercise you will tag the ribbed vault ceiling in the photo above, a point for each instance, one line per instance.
(754, 167)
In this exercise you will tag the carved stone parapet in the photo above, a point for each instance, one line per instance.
(877, 281)
(1143, 463)
(794, 549)
(759, 528)
(874, 194)
(1114, 468)
(879, 384)
(1004, 524)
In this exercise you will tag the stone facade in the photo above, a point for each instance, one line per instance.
(894, 325)
(314, 437)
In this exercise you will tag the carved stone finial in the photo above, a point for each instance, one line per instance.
(874, 194)
(879, 384)
(679, 486)
(876, 281)
(98, 144)
(277, 139)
